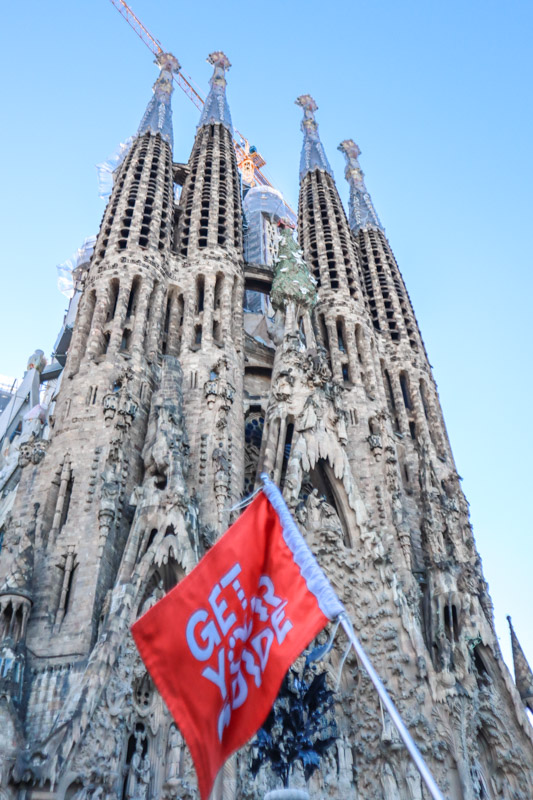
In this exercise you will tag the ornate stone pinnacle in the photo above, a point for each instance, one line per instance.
(219, 59)
(158, 116)
(169, 66)
(221, 63)
(307, 103)
(352, 152)
(313, 155)
(362, 212)
(216, 107)
(522, 670)
(350, 149)
(168, 63)
(309, 106)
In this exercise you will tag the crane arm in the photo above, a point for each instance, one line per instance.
(155, 46)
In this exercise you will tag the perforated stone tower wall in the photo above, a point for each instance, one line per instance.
(191, 371)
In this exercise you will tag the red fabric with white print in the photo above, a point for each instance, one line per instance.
(219, 644)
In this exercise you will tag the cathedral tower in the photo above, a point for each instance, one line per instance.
(191, 371)
(210, 269)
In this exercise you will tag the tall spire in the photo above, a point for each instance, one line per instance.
(216, 108)
(158, 115)
(523, 675)
(362, 212)
(313, 154)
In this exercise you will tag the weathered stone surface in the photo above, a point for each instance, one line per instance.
(166, 414)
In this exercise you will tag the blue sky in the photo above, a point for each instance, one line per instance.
(437, 95)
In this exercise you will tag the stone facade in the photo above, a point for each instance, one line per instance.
(173, 399)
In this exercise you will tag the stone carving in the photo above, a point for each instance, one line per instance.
(175, 747)
(221, 478)
(414, 785)
(316, 367)
(120, 401)
(138, 776)
(321, 517)
(219, 392)
(166, 449)
(31, 452)
(389, 784)
(384, 514)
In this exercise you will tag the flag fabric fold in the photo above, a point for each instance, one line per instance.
(219, 644)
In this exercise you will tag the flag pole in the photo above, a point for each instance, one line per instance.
(406, 737)
(333, 609)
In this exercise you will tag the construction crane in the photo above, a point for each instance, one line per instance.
(249, 160)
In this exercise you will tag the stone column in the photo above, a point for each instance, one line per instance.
(207, 316)
(65, 477)
(279, 450)
(336, 367)
(141, 313)
(397, 394)
(366, 358)
(154, 326)
(96, 336)
(353, 361)
(119, 320)
(81, 331)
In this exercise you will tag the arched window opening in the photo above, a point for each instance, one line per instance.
(105, 342)
(390, 399)
(180, 306)
(424, 399)
(200, 293)
(287, 450)
(404, 384)
(324, 331)
(340, 336)
(253, 436)
(132, 300)
(136, 752)
(359, 343)
(125, 343)
(115, 286)
(70, 587)
(322, 479)
(451, 623)
(218, 291)
(66, 501)
(480, 666)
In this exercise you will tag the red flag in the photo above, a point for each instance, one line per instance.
(219, 644)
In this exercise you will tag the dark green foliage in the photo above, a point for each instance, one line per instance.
(300, 727)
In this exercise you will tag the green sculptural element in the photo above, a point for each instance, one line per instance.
(292, 279)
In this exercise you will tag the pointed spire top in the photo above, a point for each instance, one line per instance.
(523, 676)
(158, 115)
(313, 154)
(216, 108)
(362, 212)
